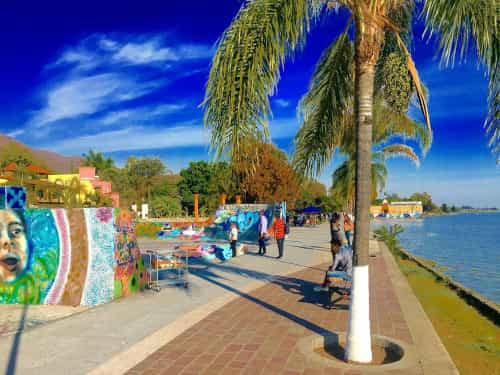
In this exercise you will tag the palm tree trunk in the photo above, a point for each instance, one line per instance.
(367, 47)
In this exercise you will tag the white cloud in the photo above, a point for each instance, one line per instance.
(16, 133)
(104, 71)
(100, 50)
(144, 53)
(141, 114)
(282, 103)
(79, 96)
(154, 51)
(135, 138)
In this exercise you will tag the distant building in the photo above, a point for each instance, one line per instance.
(398, 209)
(47, 187)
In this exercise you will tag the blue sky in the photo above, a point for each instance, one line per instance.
(128, 77)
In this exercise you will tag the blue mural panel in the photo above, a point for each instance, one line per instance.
(15, 197)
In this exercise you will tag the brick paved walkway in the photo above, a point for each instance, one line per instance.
(259, 333)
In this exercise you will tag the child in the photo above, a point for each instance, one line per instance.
(233, 237)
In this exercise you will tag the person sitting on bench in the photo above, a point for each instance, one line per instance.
(342, 265)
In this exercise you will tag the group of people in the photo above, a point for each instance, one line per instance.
(279, 229)
(341, 228)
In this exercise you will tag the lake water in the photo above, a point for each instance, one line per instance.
(467, 245)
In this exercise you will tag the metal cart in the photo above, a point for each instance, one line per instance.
(167, 267)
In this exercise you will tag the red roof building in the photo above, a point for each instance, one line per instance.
(12, 167)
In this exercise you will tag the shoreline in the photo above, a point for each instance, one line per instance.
(467, 323)
(471, 296)
(487, 307)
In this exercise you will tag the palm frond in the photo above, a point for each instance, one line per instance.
(324, 107)
(379, 178)
(246, 68)
(459, 24)
(400, 150)
(416, 82)
(492, 122)
(343, 180)
(389, 124)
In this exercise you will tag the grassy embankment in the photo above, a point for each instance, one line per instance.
(472, 339)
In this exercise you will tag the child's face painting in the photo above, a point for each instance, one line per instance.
(13, 245)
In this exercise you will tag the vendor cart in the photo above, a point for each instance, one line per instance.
(167, 267)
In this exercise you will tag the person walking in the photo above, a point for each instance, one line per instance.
(262, 229)
(233, 238)
(348, 228)
(279, 234)
(336, 227)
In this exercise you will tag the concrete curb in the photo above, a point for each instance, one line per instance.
(434, 358)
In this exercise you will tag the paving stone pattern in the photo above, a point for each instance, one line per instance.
(258, 333)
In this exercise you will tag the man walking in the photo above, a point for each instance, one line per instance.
(279, 234)
(262, 232)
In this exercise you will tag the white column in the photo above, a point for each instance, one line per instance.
(358, 334)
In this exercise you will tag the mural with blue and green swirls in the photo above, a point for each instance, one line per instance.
(71, 257)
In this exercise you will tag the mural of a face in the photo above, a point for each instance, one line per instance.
(13, 245)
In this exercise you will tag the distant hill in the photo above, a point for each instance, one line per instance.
(54, 161)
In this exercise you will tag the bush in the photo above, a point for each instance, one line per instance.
(389, 234)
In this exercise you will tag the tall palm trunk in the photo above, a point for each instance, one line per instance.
(368, 40)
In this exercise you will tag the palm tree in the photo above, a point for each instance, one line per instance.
(97, 160)
(246, 68)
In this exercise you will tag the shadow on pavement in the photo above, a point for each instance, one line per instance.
(283, 261)
(293, 285)
(12, 361)
(209, 276)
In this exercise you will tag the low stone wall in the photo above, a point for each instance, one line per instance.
(68, 256)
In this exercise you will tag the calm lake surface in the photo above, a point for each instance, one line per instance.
(466, 246)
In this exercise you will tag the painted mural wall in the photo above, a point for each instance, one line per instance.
(246, 216)
(70, 257)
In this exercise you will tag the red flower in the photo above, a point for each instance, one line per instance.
(104, 214)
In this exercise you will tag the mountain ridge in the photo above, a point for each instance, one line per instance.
(54, 161)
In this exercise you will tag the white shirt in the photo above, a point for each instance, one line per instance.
(234, 234)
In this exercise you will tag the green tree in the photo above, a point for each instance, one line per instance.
(165, 206)
(444, 208)
(97, 160)
(394, 197)
(426, 200)
(142, 172)
(223, 180)
(312, 192)
(73, 194)
(195, 178)
(246, 68)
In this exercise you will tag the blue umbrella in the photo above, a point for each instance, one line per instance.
(311, 210)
